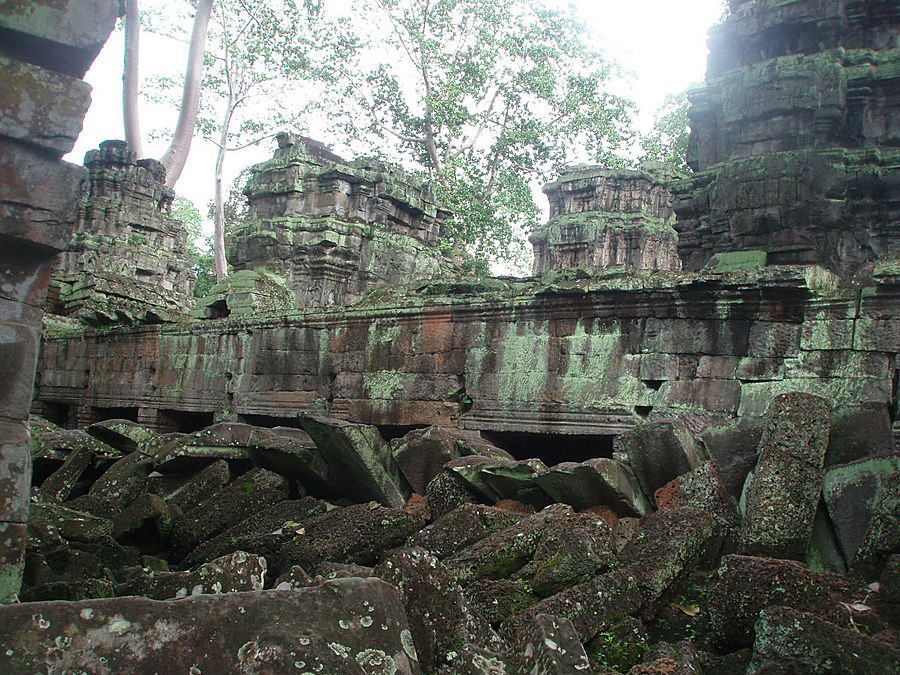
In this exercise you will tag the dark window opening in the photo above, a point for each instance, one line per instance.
(216, 310)
(551, 448)
(58, 413)
(653, 384)
(391, 431)
(184, 421)
(289, 420)
(643, 411)
(102, 414)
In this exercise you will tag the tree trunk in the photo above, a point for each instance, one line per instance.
(176, 155)
(219, 198)
(131, 78)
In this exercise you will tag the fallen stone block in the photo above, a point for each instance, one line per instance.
(669, 544)
(515, 480)
(327, 571)
(227, 440)
(295, 578)
(446, 491)
(357, 534)
(883, 534)
(70, 591)
(858, 432)
(618, 648)
(747, 585)
(281, 520)
(352, 626)
(233, 573)
(297, 460)
(422, 453)
(58, 486)
(53, 448)
(791, 641)
(734, 448)
(659, 452)
(702, 489)
(120, 484)
(439, 615)
(781, 496)
(503, 553)
(71, 524)
(498, 599)
(146, 522)
(463, 526)
(199, 487)
(124, 435)
(569, 553)
(592, 607)
(551, 646)
(663, 657)
(850, 492)
(360, 456)
(595, 482)
(245, 495)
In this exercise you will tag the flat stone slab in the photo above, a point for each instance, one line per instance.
(347, 626)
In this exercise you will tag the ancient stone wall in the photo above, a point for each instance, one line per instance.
(591, 356)
(603, 218)
(45, 49)
(795, 137)
(128, 260)
(334, 229)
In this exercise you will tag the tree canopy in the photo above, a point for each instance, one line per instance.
(667, 142)
(485, 97)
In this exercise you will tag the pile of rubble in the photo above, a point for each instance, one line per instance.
(327, 549)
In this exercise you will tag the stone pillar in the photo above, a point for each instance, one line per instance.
(45, 48)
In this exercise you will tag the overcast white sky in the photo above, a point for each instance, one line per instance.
(662, 42)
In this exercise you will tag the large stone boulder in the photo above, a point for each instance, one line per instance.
(781, 496)
(245, 495)
(733, 447)
(669, 544)
(358, 534)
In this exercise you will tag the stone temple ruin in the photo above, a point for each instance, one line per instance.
(673, 449)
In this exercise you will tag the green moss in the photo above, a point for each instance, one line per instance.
(522, 371)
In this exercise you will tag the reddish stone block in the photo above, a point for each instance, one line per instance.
(41, 107)
(38, 195)
(15, 471)
(18, 360)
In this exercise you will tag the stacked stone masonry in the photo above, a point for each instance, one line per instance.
(45, 49)
(333, 229)
(128, 260)
(602, 218)
(581, 356)
(795, 138)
